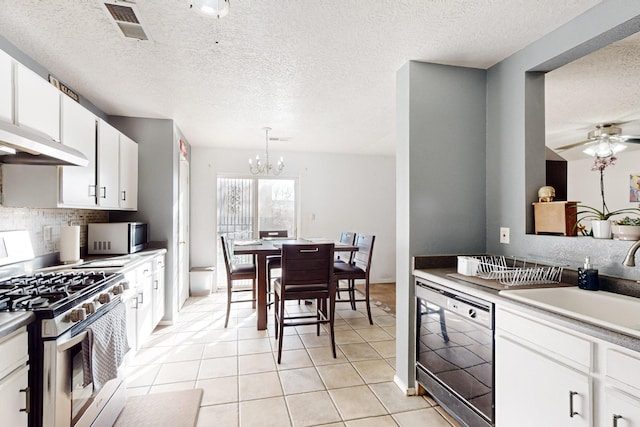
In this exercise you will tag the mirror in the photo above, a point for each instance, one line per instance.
(602, 87)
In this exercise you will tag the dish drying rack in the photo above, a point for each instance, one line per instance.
(511, 271)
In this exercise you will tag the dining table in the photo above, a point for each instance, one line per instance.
(263, 248)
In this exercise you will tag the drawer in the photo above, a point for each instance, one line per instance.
(15, 351)
(623, 368)
(547, 339)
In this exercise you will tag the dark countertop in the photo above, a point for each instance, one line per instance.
(12, 321)
(439, 268)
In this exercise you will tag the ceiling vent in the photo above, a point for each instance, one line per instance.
(126, 17)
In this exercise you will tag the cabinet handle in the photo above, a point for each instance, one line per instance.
(92, 191)
(615, 419)
(141, 299)
(155, 284)
(571, 411)
(103, 192)
(124, 195)
(27, 398)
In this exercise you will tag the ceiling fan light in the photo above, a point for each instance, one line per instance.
(217, 8)
(604, 148)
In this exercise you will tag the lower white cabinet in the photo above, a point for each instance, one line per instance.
(14, 380)
(535, 390)
(158, 289)
(621, 409)
(144, 317)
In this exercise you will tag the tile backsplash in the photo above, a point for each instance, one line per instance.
(35, 220)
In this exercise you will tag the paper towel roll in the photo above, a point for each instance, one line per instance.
(69, 243)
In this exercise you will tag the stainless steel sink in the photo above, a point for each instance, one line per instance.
(617, 312)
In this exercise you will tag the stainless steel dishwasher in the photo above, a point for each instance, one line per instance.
(454, 351)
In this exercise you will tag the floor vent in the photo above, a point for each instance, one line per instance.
(126, 18)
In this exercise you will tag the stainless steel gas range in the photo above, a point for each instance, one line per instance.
(66, 304)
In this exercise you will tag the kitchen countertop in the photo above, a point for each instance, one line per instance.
(12, 321)
(438, 269)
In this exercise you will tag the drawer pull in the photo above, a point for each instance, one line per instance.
(27, 398)
(615, 419)
(571, 411)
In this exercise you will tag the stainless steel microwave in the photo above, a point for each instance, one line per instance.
(117, 238)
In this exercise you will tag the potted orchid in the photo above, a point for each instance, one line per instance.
(601, 219)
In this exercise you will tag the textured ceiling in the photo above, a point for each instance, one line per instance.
(319, 71)
(602, 87)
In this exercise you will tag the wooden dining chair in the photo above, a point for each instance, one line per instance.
(307, 273)
(237, 272)
(273, 262)
(357, 269)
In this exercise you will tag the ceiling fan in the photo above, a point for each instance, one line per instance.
(603, 141)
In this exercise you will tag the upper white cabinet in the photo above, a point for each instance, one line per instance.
(128, 173)
(108, 165)
(78, 184)
(38, 103)
(6, 88)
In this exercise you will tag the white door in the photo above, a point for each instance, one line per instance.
(183, 234)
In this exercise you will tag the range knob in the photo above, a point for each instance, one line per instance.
(77, 315)
(104, 298)
(89, 307)
(125, 285)
(117, 290)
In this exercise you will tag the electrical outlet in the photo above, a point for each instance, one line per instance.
(504, 235)
(46, 233)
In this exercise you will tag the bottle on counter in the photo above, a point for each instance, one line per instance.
(588, 276)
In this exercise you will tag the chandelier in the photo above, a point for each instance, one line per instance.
(217, 8)
(260, 168)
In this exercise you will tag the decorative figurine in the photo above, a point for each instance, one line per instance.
(546, 194)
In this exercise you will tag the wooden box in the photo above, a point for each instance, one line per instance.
(555, 218)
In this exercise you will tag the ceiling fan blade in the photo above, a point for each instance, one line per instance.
(570, 146)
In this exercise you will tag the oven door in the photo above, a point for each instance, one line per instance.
(67, 400)
(454, 352)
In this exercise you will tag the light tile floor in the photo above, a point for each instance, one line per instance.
(244, 386)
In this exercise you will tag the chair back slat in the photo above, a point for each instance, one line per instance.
(307, 264)
(227, 258)
(273, 233)
(362, 258)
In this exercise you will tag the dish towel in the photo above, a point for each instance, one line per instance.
(105, 346)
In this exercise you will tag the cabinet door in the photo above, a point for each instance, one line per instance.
(144, 316)
(78, 184)
(6, 88)
(534, 390)
(621, 409)
(158, 289)
(38, 103)
(108, 160)
(128, 173)
(14, 398)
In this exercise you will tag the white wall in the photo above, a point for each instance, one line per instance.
(345, 192)
(584, 184)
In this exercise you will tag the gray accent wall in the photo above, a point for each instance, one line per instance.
(158, 178)
(440, 180)
(515, 139)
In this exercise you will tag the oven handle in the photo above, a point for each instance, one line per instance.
(66, 345)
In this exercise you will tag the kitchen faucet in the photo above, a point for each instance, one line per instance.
(629, 260)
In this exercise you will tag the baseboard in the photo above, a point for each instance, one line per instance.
(408, 391)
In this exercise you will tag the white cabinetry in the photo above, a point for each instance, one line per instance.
(78, 184)
(128, 173)
(6, 88)
(38, 104)
(144, 317)
(158, 289)
(542, 374)
(14, 379)
(108, 163)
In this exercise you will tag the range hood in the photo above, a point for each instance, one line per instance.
(33, 148)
